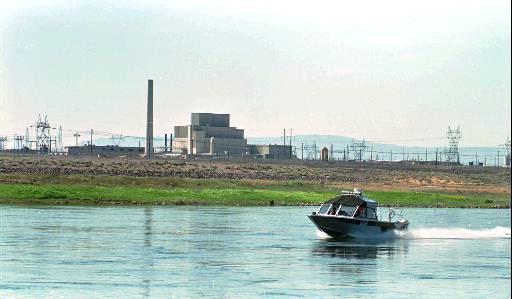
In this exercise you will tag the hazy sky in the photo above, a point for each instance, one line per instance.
(380, 70)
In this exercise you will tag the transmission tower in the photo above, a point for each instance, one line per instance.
(3, 141)
(452, 153)
(311, 151)
(358, 149)
(507, 149)
(116, 139)
(42, 134)
(507, 146)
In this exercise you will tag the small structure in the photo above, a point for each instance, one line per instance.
(324, 154)
(270, 151)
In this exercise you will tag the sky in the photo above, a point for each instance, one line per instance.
(390, 71)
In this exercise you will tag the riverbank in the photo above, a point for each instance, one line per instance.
(125, 190)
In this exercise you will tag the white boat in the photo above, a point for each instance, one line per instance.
(354, 215)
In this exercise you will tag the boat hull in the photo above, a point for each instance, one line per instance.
(336, 226)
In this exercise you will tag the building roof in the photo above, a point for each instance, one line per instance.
(352, 199)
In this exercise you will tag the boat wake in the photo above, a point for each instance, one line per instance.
(498, 232)
(322, 236)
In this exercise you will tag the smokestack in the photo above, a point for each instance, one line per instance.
(190, 141)
(149, 129)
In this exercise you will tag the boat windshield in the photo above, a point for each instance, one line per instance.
(324, 209)
(346, 210)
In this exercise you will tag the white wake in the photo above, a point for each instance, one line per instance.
(321, 235)
(499, 232)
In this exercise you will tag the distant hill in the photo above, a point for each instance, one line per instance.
(382, 151)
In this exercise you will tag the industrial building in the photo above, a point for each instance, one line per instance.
(211, 134)
(105, 151)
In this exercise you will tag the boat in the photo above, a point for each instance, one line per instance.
(352, 214)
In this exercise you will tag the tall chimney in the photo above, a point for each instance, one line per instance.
(149, 129)
(190, 141)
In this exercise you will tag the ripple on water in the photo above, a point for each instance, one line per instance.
(246, 252)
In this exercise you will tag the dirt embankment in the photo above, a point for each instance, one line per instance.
(381, 176)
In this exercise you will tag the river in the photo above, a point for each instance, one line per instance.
(245, 252)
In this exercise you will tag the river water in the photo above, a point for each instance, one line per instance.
(243, 252)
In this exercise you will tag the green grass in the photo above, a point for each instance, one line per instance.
(441, 200)
(96, 190)
(161, 182)
(90, 195)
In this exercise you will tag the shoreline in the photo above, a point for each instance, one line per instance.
(55, 181)
(131, 191)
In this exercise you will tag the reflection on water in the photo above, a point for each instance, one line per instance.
(357, 262)
(126, 252)
(147, 256)
(351, 248)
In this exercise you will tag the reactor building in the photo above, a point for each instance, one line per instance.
(212, 134)
(209, 133)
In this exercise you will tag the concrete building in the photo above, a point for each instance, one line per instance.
(211, 134)
(270, 151)
(105, 151)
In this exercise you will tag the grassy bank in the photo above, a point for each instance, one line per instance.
(98, 190)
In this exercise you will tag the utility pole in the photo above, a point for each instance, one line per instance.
(302, 151)
(76, 135)
(391, 156)
(426, 155)
(284, 139)
(291, 136)
(92, 132)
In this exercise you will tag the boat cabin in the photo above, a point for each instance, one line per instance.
(350, 204)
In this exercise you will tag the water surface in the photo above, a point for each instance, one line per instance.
(242, 252)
